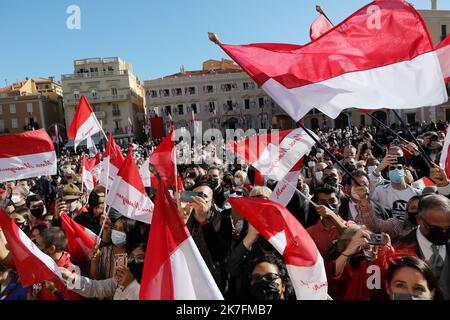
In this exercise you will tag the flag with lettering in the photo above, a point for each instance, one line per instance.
(26, 155)
(127, 194)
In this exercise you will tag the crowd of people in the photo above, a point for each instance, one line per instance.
(372, 214)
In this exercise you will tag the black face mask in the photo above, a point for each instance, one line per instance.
(438, 236)
(333, 207)
(263, 290)
(350, 167)
(412, 219)
(37, 213)
(331, 181)
(136, 268)
(213, 182)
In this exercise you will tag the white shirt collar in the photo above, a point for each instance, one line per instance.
(425, 246)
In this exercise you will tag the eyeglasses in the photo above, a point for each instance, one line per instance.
(268, 277)
(138, 259)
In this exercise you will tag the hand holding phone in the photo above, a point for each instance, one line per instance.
(186, 196)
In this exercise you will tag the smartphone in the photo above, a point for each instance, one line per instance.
(401, 160)
(120, 260)
(376, 239)
(186, 196)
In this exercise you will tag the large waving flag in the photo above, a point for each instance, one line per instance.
(173, 267)
(26, 155)
(127, 194)
(277, 225)
(113, 158)
(382, 56)
(32, 265)
(84, 123)
(443, 52)
(275, 154)
(163, 158)
(319, 27)
(79, 239)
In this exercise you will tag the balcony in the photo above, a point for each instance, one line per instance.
(89, 75)
(97, 99)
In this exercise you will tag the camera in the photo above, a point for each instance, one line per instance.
(376, 239)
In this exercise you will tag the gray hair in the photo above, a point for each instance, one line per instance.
(22, 190)
(260, 191)
(433, 201)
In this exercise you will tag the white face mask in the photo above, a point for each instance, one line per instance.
(73, 206)
(237, 182)
(16, 198)
(311, 164)
(319, 175)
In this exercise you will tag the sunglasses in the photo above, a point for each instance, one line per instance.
(399, 167)
(268, 277)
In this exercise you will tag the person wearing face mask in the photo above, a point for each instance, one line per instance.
(52, 242)
(330, 225)
(121, 237)
(23, 219)
(410, 278)
(37, 207)
(269, 280)
(91, 219)
(18, 197)
(431, 240)
(317, 175)
(219, 191)
(394, 196)
(211, 230)
(351, 206)
(124, 285)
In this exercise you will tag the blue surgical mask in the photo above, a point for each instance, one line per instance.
(319, 175)
(396, 175)
(118, 238)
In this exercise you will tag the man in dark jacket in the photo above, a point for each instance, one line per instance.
(211, 230)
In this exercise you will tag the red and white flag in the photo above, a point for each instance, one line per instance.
(32, 265)
(173, 267)
(319, 27)
(374, 59)
(163, 157)
(84, 123)
(148, 178)
(97, 168)
(443, 53)
(91, 147)
(285, 188)
(277, 225)
(86, 174)
(127, 194)
(79, 239)
(275, 154)
(26, 155)
(423, 183)
(113, 158)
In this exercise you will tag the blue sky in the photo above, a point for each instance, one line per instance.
(156, 36)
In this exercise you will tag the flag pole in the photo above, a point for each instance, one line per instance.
(332, 157)
(319, 10)
(424, 154)
(106, 214)
(387, 128)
